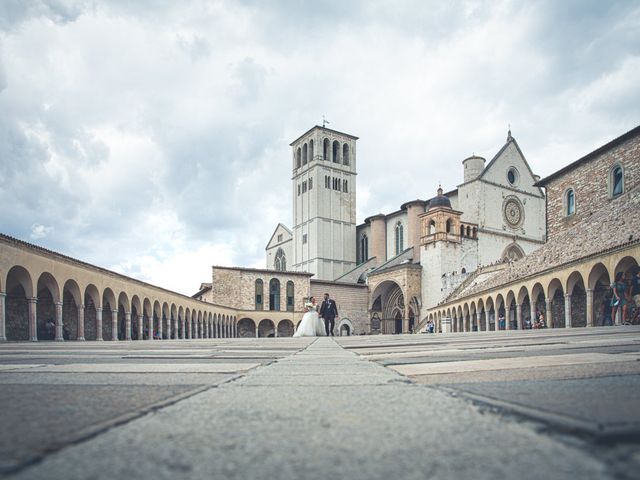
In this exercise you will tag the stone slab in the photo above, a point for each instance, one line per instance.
(145, 368)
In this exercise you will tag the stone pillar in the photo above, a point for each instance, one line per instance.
(175, 327)
(3, 317)
(567, 310)
(519, 316)
(98, 324)
(140, 327)
(80, 323)
(548, 302)
(59, 332)
(127, 324)
(160, 328)
(33, 325)
(275, 330)
(150, 323)
(533, 313)
(184, 326)
(114, 326)
(257, 330)
(508, 318)
(589, 307)
(235, 329)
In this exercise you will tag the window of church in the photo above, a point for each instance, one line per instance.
(259, 288)
(513, 176)
(364, 247)
(304, 186)
(345, 186)
(617, 181)
(448, 225)
(311, 150)
(325, 149)
(310, 183)
(399, 238)
(570, 202)
(298, 189)
(304, 154)
(280, 237)
(327, 181)
(298, 157)
(304, 238)
(280, 262)
(336, 151)
(345, 154)
(289, 296)
(274, 294)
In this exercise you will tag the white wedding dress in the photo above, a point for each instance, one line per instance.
(311, 325)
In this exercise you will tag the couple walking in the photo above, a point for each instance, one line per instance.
(312, 324)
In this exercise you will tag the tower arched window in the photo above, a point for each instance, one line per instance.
(259, 294)
(462, 230)
(448, 225)
(468, 231)
(274, 294)
(345, 154)
(570, 202)
(304, 154)
(617, 181)
(364, 247)
(290, 296)
(399, 238)
(432, 227)
(298, 157)
(325, 149)
(280, 261)
(336, 152)
(311, 150)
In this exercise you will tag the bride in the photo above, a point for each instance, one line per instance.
(311, 324)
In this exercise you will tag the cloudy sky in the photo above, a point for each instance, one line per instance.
(151, 137)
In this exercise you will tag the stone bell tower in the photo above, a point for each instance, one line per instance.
(324, 202)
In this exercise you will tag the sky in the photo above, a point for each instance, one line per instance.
(152, 137)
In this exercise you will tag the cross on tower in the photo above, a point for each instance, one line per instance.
(325, 122)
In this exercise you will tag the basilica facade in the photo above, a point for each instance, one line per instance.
(412, 258)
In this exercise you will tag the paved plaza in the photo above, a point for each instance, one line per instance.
(533, 404)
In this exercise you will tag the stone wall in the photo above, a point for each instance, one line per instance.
(351, 300)
(590, 182)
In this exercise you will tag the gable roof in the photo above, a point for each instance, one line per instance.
(510, 140)
(275, 231)
(590, 156)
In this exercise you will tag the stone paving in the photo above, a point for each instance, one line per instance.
(536, 404)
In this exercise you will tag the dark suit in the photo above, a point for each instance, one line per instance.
(329, 312)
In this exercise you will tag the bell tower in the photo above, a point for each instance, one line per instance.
(324, 202)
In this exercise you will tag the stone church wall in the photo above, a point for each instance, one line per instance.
(590, 182)
(352, 301)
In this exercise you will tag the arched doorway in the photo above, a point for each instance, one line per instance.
(285, 328)
(266, 328)
(246, 328)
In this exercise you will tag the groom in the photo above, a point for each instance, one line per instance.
(328, 312)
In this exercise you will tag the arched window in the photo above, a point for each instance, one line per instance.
(468, 231)
(432, 227)
(399, 238)
(274, 294)
(336, 152)
(311, 150)
(304, 154)
(259, 294)
(475, 232)
(617, 181)
(325, 149)
(298, 157)
(289, 296)
(570, 202)
(280, 262)
(448, 225)
(462, 230)
(345, 154)
(364, 247)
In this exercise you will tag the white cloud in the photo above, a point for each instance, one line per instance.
(153, 137)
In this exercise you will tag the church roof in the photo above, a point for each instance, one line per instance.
(324, 129)
(439, 200)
